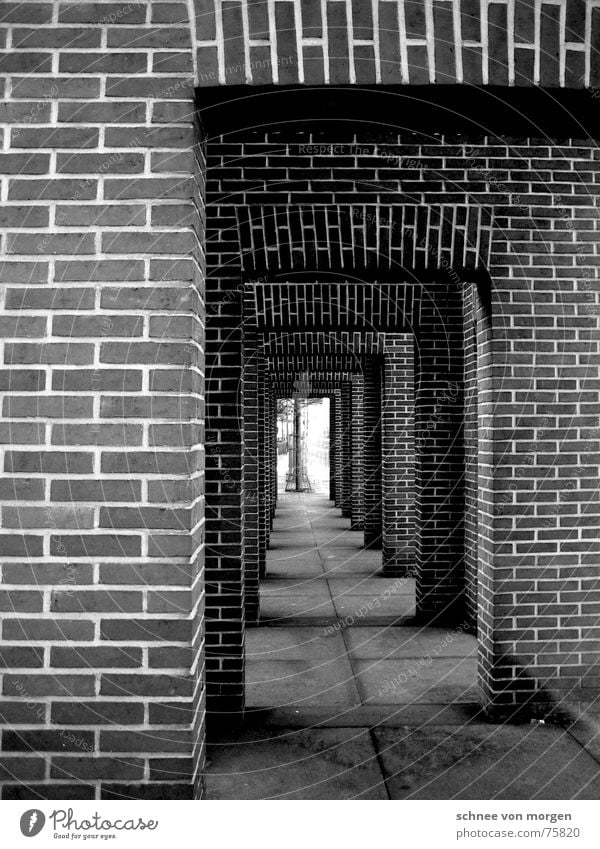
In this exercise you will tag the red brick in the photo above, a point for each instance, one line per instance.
(98, 713)
(57, 629)
(84, 601)
(48, 685)
(95, 545)
(86, 657)
(102, 13)
(96, 490)
(55, 137)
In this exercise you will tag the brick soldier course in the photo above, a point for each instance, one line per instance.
(172, 265)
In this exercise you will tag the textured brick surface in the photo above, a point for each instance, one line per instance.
(398, 451)
(357, 460)
(102, 236)
(225, 458)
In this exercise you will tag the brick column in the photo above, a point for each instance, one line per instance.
(439, 455)
(398, 456)
(356, 461)
(268, 459)
(102, 489)
(372, 452)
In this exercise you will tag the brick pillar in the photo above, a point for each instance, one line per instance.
(346, 449)
(224, 458)
(372, 452)
(539, 450)
(101, 493)
(332, 448)
(274, 455)
(473, 374)
(398, 456)
(356, 462)
(439, 455)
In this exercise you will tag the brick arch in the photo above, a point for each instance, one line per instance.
(463, 41)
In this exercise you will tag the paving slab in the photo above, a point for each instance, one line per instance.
(341, 540)
(392, 642)
(324, 763)
(486, 762)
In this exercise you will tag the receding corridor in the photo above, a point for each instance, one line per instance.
(348, 697)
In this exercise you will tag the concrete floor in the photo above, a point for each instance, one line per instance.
(349, 699)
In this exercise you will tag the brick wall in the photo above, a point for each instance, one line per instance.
(256, 481)
(251, 475)
(372, 455)
(102, 489)
(544, 314)
(337, 447)
(476, 431)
